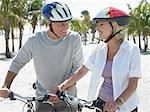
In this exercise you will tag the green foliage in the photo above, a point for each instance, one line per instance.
(79, 26)
(34, 11)
(34, 5)
(140, 19)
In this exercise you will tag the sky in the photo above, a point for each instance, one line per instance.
(94, 6)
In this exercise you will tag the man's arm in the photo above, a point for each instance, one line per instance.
(8, 80)
(4, 91)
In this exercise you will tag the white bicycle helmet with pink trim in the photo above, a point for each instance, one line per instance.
(113, 14)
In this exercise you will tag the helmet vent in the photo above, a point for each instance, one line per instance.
(59, 14)
(68, 9)
(65, 12)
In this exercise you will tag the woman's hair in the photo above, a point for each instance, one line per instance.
(120, 36)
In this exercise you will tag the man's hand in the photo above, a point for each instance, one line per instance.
(4, 92)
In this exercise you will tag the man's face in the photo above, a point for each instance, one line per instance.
(60, 28)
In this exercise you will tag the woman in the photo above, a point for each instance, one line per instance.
(115, 65)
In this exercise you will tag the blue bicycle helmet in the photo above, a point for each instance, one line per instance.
(56, 12)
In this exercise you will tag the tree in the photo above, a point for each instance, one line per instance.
(19, 9)
(34, 12)
(86, 21)
(79, 26)
(5, 22)
(132, 26)
(145, 22)
(140, 22)
(92, 26)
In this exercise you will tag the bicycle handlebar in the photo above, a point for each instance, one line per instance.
(29, 100)
(14, 96)
(68, 99)
(76, 102)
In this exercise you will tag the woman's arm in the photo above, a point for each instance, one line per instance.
(132, 86)
(82, 71)
(134, 74)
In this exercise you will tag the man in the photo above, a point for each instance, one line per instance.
(56, 53)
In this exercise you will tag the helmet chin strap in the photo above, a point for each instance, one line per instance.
(51, 29)
(112, 34)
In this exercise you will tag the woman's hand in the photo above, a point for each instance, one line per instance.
(63, 86)
(53, 90)
(110, 106)
(53, 97)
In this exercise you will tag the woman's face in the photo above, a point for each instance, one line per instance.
(104, 29)
(60, 28)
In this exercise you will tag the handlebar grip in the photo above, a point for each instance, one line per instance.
(60, 94)
(99, 104)
(46, 97)
(34, 86)
(11, 96)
